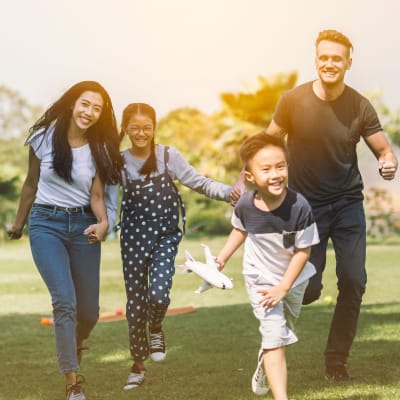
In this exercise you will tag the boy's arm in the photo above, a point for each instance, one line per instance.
(234, 241)
(272, 296)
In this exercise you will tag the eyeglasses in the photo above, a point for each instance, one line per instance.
(134, 130)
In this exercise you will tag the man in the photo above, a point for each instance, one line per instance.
(324, 120)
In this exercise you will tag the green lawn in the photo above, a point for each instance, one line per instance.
(211, 352)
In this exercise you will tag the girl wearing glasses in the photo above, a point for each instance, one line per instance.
(150, 233)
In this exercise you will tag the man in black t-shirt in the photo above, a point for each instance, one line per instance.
(324, 120)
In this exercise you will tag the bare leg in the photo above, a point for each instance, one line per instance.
(70, 378)
(275, 370)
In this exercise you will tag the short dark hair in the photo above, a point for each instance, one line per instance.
(334, 36)
(254, 143)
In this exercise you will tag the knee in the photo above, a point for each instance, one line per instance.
(310, 297)
(312, 293)
(159, 298)
(352, 287)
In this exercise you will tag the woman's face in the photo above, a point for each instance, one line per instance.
(140, 130)
(87, 110)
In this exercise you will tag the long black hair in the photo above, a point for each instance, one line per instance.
(102, 136)
(150, 164)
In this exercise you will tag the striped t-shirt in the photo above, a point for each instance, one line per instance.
(274, 235)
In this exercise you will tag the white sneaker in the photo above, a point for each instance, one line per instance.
(75, 391)
(134, 380)
(258, 381)
(157, 346)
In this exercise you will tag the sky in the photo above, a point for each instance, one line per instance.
(184, 53)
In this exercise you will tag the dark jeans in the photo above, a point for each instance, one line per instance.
(343, 222)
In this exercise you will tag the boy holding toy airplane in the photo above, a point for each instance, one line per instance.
(278, 229)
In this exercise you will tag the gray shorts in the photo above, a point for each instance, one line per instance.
(277, 323)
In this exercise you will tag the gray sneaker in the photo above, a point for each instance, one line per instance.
(134, 380)
(258, 381)
(75, 391)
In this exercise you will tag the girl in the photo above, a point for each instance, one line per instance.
(150, 234)
(74, 151)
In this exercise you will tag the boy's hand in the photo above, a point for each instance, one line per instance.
(271, 297)
(220, 264)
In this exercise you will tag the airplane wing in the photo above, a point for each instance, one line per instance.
(210, 260)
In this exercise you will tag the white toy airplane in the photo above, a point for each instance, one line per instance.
(208, 272)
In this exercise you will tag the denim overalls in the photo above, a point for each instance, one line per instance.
(150, 236)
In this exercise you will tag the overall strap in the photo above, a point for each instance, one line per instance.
(181, 204)
(117, 226)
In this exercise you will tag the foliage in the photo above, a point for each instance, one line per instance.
(14, 164)
(382, 219)
(211, 143)
(258, 105)
(390, 119)
(16, 115)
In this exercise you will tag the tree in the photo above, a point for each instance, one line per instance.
(390, 119)
(16, 115)
(211, 143)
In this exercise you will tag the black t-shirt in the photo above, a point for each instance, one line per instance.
(322, 139)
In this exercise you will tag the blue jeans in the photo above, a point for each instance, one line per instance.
(343, 222)
(70, 268)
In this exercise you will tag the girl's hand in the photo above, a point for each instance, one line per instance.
(96, 232)
(271, 297)
(235, 195)
(13, 232)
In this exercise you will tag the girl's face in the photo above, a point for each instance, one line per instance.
(87, 110)
(140, 130)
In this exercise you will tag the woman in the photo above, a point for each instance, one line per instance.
(73, 153)
(150, 232)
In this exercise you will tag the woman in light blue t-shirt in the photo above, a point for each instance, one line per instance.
(73, 153)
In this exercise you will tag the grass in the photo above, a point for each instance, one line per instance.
(212, 352)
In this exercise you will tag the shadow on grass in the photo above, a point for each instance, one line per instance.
(211, 355)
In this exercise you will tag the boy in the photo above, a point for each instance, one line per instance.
(278, 229)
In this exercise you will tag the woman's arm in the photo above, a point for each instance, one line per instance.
(27, 197)
(97, 232)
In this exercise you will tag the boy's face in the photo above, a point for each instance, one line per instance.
(268, 171)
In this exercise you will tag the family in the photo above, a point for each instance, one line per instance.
(299, 187)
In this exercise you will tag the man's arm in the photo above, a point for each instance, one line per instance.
(275, 130)
(387, 160)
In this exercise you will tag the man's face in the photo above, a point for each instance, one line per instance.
(332, 61)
